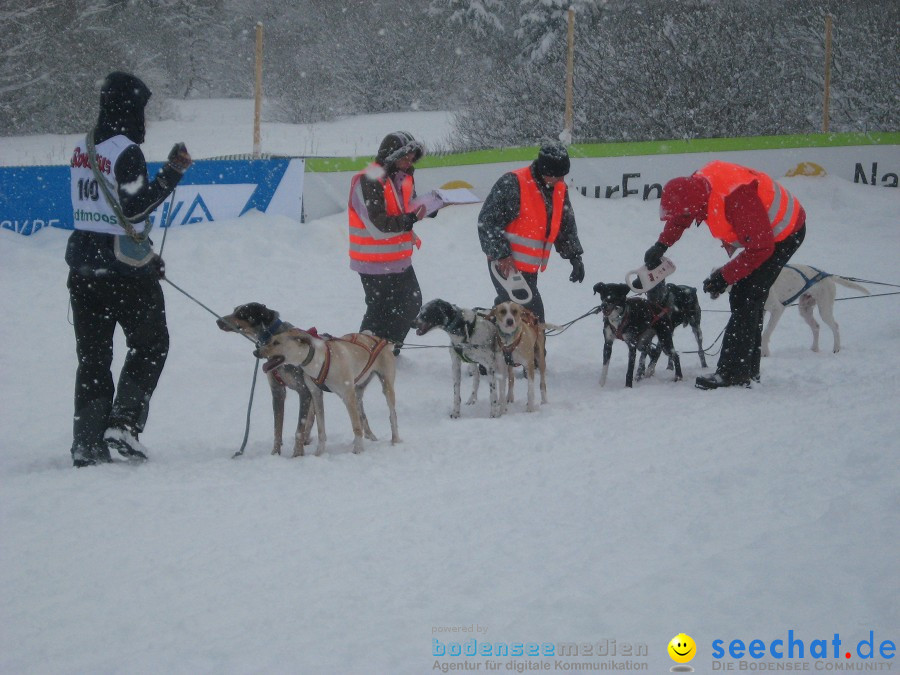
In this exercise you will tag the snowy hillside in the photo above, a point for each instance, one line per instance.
(610, 514)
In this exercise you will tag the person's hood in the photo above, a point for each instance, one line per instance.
(396, 145)
(123, 98)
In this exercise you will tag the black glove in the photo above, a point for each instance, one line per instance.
(653, 256)
(180, 158)
(715, 284)
(577, 275)
(158, 267)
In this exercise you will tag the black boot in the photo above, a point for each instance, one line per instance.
(716, 380)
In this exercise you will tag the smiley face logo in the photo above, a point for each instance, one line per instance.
(682, 648)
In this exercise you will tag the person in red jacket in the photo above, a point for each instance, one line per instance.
(750, 212)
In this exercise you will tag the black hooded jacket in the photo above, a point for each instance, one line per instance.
(123, 98)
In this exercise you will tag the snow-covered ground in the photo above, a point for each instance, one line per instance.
(610, 514)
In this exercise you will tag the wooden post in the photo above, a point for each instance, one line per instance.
(570, 67)
(827, 71)
(257, 92)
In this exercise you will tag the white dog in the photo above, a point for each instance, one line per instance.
(808, 287)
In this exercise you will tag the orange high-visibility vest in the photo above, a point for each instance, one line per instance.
(782, 207)
(527, 234)
(368, 243)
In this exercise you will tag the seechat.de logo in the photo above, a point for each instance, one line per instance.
(852, 655)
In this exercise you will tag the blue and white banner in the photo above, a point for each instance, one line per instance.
(32, 198)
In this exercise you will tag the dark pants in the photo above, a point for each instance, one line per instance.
(536, 305)
(392, 303)
(98, 304)
(741, 346)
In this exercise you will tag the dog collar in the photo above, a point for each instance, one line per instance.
(510, 346)
(270, 331)
(459, 326)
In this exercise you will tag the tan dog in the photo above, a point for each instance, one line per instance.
(259, 323)
(522, 341)
(342, 365)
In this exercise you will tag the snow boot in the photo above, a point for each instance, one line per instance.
(124, 439)
(716, 380)
(89, 456)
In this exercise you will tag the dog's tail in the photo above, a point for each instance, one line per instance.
(844, 281)
(552, 327)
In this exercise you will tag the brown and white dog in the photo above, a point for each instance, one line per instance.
(343, 365)
(522, 341)
(259, 323)
(810, 288)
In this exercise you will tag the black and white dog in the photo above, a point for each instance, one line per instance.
(475, 340)
(684, 306)
(636, 322)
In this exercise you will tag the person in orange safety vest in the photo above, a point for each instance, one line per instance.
(526, 212)
(381, 237)
(748, 211)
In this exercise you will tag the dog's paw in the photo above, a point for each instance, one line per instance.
(454, 415)
(473, 399)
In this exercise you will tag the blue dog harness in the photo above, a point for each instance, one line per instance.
(809, 282)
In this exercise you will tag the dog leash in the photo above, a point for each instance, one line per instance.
(869, 281)
(558, 330)
(168, 224)
(255, 365)
(249, 408)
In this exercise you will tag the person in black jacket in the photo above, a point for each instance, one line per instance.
(502, 218)
(106, 285)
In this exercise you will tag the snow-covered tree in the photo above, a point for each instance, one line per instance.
(543, 24)
(481, 17)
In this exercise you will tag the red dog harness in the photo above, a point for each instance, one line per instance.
(373, 346)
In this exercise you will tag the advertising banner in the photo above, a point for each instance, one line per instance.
(636, 176)
(35, 197)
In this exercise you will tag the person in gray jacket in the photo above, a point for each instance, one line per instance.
(527, 211)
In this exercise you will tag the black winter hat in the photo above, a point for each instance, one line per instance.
(123, 89)
(552, 160)
(123, 98)
(396, 145)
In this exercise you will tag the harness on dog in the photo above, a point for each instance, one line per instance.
(808, 282)
(508, 347)
(373, 348)
(459, 326)
(660, 312)
(465, 329)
